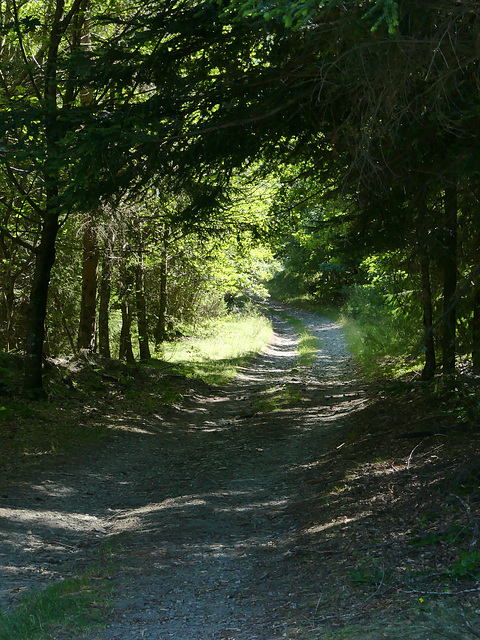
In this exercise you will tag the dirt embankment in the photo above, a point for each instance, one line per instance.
(267, 509)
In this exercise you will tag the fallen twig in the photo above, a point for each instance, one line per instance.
(439, 593)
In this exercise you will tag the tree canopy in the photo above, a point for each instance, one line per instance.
(370, 106)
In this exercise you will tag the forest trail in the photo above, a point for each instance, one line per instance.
(206, 504)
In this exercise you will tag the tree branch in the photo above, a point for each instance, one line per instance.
(23, 52)
(20, 189)
(26, 245)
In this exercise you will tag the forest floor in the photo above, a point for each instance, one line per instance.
(297, 502)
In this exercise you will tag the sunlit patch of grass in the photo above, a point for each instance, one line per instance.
(216, 356)
(307, 348)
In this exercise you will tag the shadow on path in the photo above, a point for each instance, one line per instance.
(204, 498)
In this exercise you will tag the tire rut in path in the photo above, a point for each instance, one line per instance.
(210, 553)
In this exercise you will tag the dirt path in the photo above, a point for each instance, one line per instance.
(208, 499)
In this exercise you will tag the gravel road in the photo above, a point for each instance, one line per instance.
(206, 499)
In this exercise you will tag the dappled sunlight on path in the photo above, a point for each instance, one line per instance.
(203, 499)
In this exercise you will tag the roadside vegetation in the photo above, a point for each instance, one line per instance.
(219, 347)
(410, 563)
(65, 424)
(85, 393)
(61, 611)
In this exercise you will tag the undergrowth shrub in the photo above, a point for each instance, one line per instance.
(383, 329)
(219, 346)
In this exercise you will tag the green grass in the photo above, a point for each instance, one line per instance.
(308, 344)
(225, 345)
(75, 416)
(276, 398)
(61, 611)
(379, 347)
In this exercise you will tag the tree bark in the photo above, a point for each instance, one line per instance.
(68, 333)
(476, 328)
(141, 313)
(126, 350)
(104, 304)
(8, 302)
(37, 307)
(88, 309)
(126, 307)
(427, 307)
(449, 281)
(161, 328)
(45, 251)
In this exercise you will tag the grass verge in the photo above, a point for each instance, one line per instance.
(61, 611)
(224, 346)
(85, 391)
(378, 348)
(378, 339)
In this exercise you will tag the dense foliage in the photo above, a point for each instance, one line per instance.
(128, 131)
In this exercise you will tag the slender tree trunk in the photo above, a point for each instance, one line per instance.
(476, 328)
(126, 350)
(161, 328)
(427, 307)
(68, 333)
(8, 299)
(37, 307)
(45, 252)
(104, 305)
(88, 310)
(449, 281)
(141, 313)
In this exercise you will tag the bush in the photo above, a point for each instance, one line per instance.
(382, 328)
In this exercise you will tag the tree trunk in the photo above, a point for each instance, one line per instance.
(427, 307)
(37, 307)
(449, 281)
(45, 251)
(126, 350)
(104, 305)
(141, 313)
(8, 302)
(161, 328)
(88, 310)
(476, 328)
(68, 333)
